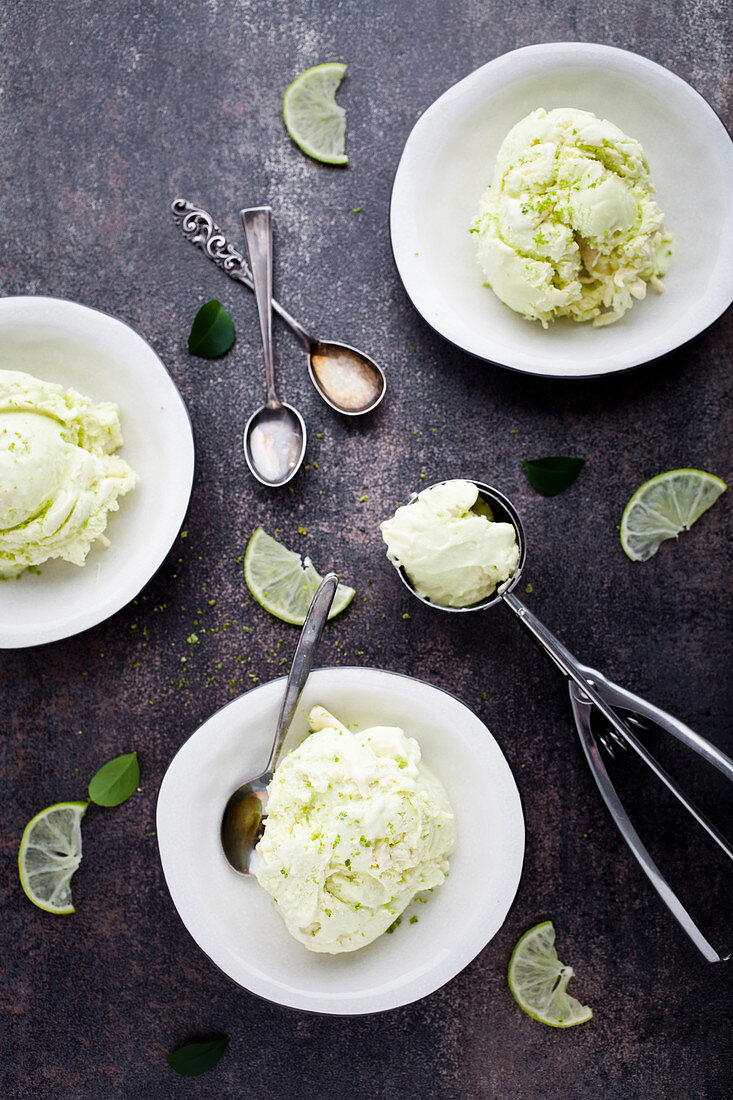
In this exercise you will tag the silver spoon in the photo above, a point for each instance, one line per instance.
(588, 689)
(347, 379)
(242, 819)
(274, 437)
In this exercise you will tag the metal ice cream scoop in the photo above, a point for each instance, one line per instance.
(623, 713)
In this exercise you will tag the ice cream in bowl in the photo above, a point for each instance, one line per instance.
(357, 827)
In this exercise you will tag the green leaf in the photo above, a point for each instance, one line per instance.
(550, 476)
(196, 1058)
(115, 781)
(212, 331)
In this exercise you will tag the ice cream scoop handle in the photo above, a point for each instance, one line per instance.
(600, 696)
(200, 229)
(303, 659)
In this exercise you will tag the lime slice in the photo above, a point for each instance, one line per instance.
(312, 117)
(50, 852)
(282, 583)
(539, 980)
(663, 507)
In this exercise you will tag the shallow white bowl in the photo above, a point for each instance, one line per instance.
(104, 359)
(235, 921)
(448, 162)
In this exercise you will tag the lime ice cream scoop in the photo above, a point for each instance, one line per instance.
(59, 479)
(568, 226)
(453, 552)
(356, 826)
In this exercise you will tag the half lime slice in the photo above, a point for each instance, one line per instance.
(664, 506)
(312, 116)
(283, 583)
(50, 852)
(538, 980)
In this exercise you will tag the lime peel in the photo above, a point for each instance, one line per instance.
(539, 981)
(312, 117)
(283, 583)
(49, 854)
(663, 507)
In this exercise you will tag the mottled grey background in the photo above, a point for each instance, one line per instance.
(108, 111)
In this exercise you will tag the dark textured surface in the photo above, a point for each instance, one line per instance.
(109, 110)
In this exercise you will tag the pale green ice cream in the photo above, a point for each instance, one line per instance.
(356, 825)
(568, 226)
(453, 554)
(58, 477)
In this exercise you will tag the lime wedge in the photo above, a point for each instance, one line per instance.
(282, 583)
(312, 117)
(664, 506)
(538, 980)
(50, 852)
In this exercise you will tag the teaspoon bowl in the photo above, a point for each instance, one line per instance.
(274, 444)
(347, 379)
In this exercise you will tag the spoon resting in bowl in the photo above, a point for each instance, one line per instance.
(244, 813)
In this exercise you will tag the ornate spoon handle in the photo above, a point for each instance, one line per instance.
(200, 229)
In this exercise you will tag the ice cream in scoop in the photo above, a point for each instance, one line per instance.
(568, 226)
(59, 479)
(356, 826)
(452, 551)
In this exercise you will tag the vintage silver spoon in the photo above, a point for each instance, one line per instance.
(274, 437)
(347, 379)
(242, 819)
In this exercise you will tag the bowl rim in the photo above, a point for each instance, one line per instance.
(503, 68)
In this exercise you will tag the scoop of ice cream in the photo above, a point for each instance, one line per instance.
(356, 826)
(58, 479)
(453, 554)
(569, 226)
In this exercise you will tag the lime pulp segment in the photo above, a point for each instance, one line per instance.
(312, 117)
(663, 507)
(49, 854)
(284, 584)
(539, 981)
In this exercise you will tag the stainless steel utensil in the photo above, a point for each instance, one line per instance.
(274, 437)
(347, 379)
(590, 689)
(246, 808)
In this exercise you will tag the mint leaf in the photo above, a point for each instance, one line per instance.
(196, 1058)
(115, 781)
(212, 331)
(551, 476)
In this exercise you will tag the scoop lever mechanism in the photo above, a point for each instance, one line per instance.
(613, 697)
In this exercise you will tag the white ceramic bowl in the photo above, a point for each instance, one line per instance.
(106, 360)
(235, 921)
(448, 162)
